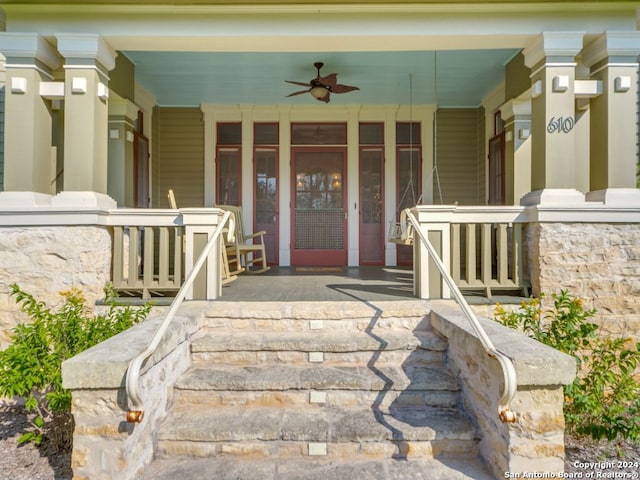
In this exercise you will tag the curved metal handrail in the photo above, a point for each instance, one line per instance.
(508, 370)
(135, 412)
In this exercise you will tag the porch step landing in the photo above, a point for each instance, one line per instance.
(320, 390)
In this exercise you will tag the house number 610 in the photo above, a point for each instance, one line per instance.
(560, 125)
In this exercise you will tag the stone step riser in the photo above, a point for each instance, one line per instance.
(212, 324)
(419, 357)
(318, 310)
(295, 449)
(317, 377)
(332, 398)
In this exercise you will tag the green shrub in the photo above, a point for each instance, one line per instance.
(604, 399)
(31, 366)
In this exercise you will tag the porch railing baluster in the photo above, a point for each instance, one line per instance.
(118, 260)
(163, 258)
(148, 265)
(486, 249)
(133, 271)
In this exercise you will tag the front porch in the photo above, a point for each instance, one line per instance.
(362, 284)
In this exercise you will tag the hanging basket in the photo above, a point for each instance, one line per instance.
(401, 232)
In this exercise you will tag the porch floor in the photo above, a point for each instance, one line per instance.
(292, 284)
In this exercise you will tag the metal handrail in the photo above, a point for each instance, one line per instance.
(135, 412)
(508, 370)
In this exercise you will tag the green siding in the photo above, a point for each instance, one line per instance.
(461, 157)
(178, 156)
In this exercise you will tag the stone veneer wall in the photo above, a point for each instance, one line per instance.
(599, 262)
(105, 446)
(536, 442)
(47, 260)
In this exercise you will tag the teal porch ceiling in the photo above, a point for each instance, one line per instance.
(452, 78)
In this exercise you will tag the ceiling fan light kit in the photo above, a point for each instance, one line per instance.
(319, 92)
(321, 88)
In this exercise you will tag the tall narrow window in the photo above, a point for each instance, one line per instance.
(371, 194)
(265, 165)
(228, 164)
(408, 172)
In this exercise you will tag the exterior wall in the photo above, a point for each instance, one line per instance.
(481, 159)
(460, 156)
(598, 262)
(45, 261)
(178, 145)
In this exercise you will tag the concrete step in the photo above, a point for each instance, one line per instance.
(220, 385)
(295, 357)
(334, 432)
(317, 377)
(331, 398)
(300, 316)
(337, 347)
(230, 468)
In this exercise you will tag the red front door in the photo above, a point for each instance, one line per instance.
(318, 214)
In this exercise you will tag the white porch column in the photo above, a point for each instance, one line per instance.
(29, 157)
(122, 117)
(552, 60)
(88, 60)
(516, 114)
(613, 60)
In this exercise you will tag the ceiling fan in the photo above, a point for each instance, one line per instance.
(321, 88)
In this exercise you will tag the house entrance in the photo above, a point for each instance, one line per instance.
(318, 223)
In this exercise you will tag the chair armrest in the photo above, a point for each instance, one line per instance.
(256, 234)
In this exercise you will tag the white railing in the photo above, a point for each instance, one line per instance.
(482, 247)
(147, 258)
(136, 412)
(488, 256)
(508, 370)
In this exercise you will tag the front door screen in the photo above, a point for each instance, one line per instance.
(319, 211)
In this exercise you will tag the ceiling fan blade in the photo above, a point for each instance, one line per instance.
(329, 80)
(302, 84)
(298, 93)
(343, 88)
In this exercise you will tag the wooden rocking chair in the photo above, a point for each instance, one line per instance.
(245, 256)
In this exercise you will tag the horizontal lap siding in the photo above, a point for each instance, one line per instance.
(178, 158)
(460, 156)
